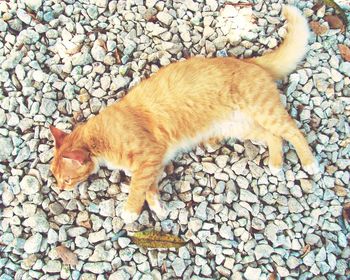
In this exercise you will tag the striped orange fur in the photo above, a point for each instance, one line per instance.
(184, 104)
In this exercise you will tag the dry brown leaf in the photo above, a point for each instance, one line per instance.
(67, 256)
(345, 142)
(346, 212)
(152, 18)
(78, 116)
(340, 190)
(117, 56)
(169, 169)
(331, 169)
(186, 53)
(85, 224)
(101, 43)
(317, 28)
(338, 9)
(163, 268)
(273, 276)
(157, 239)
(335, 22)
(306, 250)
(344, 52)
(74, 50)
(317, 6)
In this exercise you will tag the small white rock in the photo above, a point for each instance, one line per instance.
(252, 273)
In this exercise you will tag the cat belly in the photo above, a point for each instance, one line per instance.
(236, 125)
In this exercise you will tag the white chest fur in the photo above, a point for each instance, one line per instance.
(111, 166)
(236, 125)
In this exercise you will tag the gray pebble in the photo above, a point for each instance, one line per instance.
(240, 166)
(52, 236)
(165, 18)
(345, 68)
(23, 16)
(226, 232)
(6, 148)
(120, 274)
(92, 11)
(98, 53)
(293, 262)
(258, 224)
(201, 211)
(107, 208)
(34, 5)
(28, 36)
(95, 237)
(309, 259)
(209, 167)
(48, 107)
(97, 267)
(23, 155)
(179, 266)
(38, 223)
(101, 3)
(29, 185)
(81, 242)
(321, 255)
(52, 266)
(248, 196)
(33, 243)
(324, 267)
(4, 75)
(263, 251)
(81, 59)
(252, 273)
(12, 60)
(294, 206)
(123, 241)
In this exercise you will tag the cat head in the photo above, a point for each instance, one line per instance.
(72, 164)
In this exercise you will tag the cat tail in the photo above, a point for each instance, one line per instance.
(285, 58)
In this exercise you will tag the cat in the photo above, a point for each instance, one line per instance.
(182, 105)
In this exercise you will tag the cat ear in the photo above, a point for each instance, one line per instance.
(58, 135)
(79, 156)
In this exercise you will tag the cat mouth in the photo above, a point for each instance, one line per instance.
(64, 186)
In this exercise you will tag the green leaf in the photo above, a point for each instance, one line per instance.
(157, 239)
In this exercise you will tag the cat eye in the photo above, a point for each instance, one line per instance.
(67, 180)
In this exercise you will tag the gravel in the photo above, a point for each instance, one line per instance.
(63, 61)
(6, 148)
(29, 185)
(33, 243)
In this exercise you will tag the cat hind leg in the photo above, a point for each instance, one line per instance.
(280, 124)
(274, 144)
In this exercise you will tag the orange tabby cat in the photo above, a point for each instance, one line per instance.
(186, 103)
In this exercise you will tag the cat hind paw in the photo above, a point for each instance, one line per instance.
(312, 168)
(275, 170)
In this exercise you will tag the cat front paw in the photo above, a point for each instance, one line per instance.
(159, 208)
(312, 168)
(275, 170)
(129, 216)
